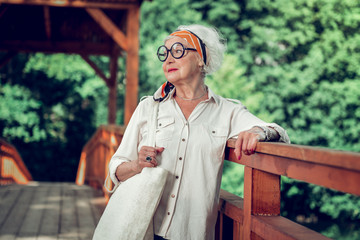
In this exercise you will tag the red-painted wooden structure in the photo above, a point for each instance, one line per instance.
(12, 167)
(84, 27)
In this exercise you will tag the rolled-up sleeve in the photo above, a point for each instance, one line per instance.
(128, 149)
(243, 120)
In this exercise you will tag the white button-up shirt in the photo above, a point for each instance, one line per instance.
(193, 155)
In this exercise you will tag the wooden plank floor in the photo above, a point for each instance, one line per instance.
(48, 211)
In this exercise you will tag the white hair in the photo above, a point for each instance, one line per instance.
(214, 42)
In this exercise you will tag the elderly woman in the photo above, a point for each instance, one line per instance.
(193, 127)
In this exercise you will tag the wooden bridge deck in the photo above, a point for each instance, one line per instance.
(47, 211)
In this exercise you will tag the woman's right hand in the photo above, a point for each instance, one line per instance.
(144, 153)
(129, 169)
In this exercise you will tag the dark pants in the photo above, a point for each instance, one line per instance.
(156, 237)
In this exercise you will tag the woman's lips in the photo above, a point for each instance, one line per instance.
(172, 70)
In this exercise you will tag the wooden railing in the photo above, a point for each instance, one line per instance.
(12, 167)
(96, 154)
(257, 215)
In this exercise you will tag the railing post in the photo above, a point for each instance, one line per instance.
(261, 197)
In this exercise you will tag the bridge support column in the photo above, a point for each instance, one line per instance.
(132, 63)
(261, 197)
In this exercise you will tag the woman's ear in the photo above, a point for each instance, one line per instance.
(201, 63)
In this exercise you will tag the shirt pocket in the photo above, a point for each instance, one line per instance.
(218, 139)
(164, 131)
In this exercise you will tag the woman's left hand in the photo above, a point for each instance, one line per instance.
(247, 140)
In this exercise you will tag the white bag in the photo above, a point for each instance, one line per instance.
(130, 210)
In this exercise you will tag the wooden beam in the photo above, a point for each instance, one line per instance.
(47, 22)
(112, 103)
(262, 227)
(336, 178)
(318, 155)
(232, 206)
(132, 63)
(266, 194)
(247, 202)
(72, 3)
(277, 227)
(261, 197)
(8, 56)
(325, 156)
(313, 168)
(97, 70)
(109, 27)
(68, 47)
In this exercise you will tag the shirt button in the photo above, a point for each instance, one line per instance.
(168, 213)
(213, 131)
(180, 158)
(159, 124)
(172, 195)
(183, 139)
(177, 177)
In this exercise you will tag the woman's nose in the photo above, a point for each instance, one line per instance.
(170, 58)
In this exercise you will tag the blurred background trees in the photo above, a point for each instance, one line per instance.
(295, 63)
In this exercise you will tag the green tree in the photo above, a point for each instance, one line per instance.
(48, 111)
(303, 57)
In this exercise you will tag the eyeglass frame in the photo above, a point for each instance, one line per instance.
(169, 50)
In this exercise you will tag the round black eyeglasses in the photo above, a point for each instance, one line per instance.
(177, 50)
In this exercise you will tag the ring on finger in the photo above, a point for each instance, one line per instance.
(148, 159)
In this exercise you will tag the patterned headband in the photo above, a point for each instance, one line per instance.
(194, 40)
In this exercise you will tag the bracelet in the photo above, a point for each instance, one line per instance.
(266, 132)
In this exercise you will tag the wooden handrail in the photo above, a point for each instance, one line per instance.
(12, 167)
(315, 165)
(96, 154)
(258, 214)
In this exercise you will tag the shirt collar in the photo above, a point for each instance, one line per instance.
(159, 92)
(212, 95)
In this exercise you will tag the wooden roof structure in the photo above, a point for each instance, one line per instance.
(85, 27)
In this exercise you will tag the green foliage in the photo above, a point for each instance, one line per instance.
(18, 110)
(47, 112)
(233, 178)
(297, 49)
(72, 69)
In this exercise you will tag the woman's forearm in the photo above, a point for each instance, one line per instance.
(126, 170)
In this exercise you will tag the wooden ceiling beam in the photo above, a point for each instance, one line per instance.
(57, 47)
(109, 27)
(47, 22)
(97, 70)
(72, 3)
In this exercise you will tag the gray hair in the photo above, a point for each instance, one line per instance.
(215, 45)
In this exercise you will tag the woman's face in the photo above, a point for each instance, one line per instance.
(182, 69)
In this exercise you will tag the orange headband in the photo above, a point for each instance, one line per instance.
(193, 40)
